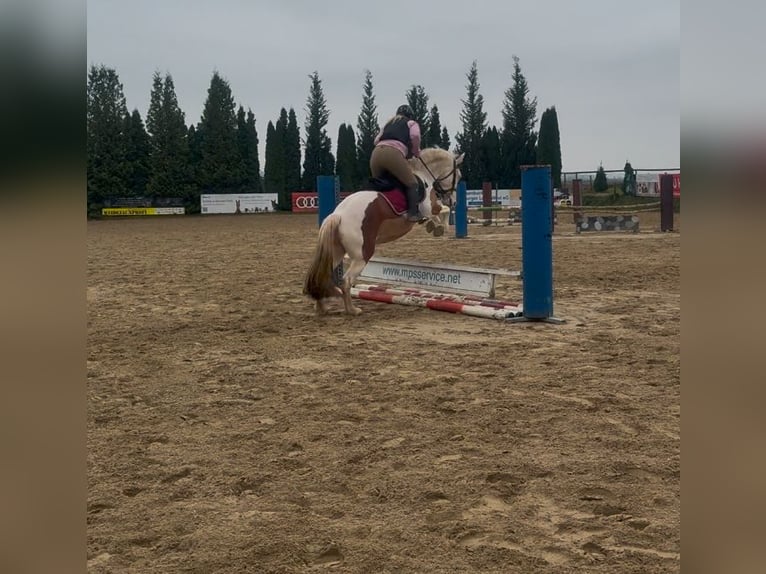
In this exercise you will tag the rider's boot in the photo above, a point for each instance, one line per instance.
(413, 213)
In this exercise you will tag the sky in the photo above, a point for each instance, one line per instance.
(611, 68)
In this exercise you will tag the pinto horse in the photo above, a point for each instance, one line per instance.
(366, 218)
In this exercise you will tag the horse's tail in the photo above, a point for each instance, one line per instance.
(319, 282)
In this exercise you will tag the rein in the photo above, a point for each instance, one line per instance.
(440, 191)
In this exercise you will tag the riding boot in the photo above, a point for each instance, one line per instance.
(413, 213)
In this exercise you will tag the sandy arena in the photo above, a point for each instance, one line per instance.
(231, 430)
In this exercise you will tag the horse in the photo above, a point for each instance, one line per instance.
(366, 218)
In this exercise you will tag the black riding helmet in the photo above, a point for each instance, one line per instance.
(406, 111)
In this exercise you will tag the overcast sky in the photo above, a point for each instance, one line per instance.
(611, 68)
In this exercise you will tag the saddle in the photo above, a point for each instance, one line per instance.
(390, 183)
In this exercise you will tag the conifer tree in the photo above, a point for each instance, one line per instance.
(347, 162)
(247, 141)
(600, 183)
(292, 151)
(445, 141)
(318, 158)
(490, 156)
(169, 158)
(474, 124)
(418, 101)
(105, 124)
(274, 170)
(367, 128)
(435, 129)
(137, 149)
(280, 155)
(549, 144)
(629, 180)
(220, 166)
(518, 139)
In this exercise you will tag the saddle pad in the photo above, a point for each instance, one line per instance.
(396, 200)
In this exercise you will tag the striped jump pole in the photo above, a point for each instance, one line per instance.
(466, 299)
(537, 244)
(434, 304)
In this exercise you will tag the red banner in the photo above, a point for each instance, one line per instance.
(307, 201)
(676, 185)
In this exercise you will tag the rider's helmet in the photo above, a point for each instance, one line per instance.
(406, 111)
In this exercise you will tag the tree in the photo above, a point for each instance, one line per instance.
(318, 158)
(600, 184)
(445, 141)
(274, 172)
(169, 158)
(137, 150)
(629, 180)
(418, 101)
(474, 123)
(347, 162)
(105, 125)
(367, 128)
(549, 144)
(247, 141)
(220, 166)
(280, 172)
(518, 137)
(490, 156)
(292, 151)
(434, 137)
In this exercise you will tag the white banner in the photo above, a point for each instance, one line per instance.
(451, 278)
(238, 202)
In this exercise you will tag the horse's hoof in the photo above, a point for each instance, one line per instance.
(354, 311)
(430, 226)
(438, 230)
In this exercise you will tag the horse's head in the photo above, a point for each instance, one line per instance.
(441, 170)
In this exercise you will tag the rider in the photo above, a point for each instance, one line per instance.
(398, 141)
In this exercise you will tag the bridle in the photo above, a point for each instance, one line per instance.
(442, 193)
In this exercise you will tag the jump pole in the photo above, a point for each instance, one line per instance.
(537, 245)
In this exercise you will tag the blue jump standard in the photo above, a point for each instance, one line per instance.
(537, 244)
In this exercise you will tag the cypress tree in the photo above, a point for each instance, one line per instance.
(367, 128)
(518, 137)
(418, 101)
(549, 144)
(491, 158)
(318, 158)
(279, 173)
(247, 141)
(474, 123)
(347, 163)
(137, 149)
(292, 151)
(220, 166)
(105, 123)
(274, 171)
(435, 129)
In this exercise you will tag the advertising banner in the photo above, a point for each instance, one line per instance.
(307, 201)
(676, 185)
(238, 202)
(112, 211)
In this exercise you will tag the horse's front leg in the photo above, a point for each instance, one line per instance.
(435, 226)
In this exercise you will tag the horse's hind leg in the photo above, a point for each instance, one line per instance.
(353, 271)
